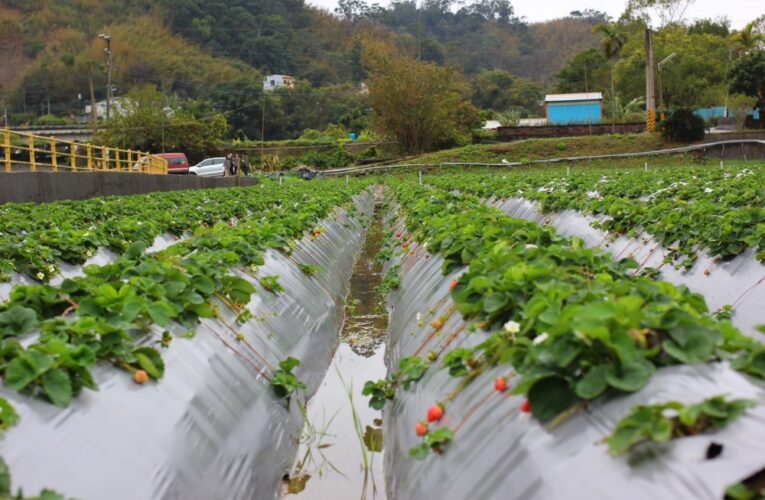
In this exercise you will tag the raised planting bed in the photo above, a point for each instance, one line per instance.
(207, 328)
(515, 354)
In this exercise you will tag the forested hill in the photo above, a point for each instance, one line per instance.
(189, 46)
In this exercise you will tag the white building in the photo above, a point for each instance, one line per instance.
(272, 82)
(119, 107)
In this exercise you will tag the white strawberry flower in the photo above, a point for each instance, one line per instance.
(512, 327)
(419, 317)
(40, 276)
(669, 413)
(708, 190)
(51, 269)
(89, 253)
(541, 338)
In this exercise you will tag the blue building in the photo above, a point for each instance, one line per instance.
(574, 109)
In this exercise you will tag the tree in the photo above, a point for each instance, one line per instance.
(420, 105)
(611, 44)
(153, 122)
(747, 40)
(587, 72)
(668, 11)
(493, 10)
(352, 10)
(718, 27)
(747, 76)
(500, 91)
(694, 78)
(242, 100)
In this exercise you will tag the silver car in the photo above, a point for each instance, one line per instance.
(211, 167)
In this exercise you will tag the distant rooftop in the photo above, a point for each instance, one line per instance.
(583, 96)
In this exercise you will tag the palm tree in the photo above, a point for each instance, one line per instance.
(612, 42)
(747, 40)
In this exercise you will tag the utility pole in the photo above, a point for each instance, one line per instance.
(650, 92)
(93, 109)
(658, 74)
(108, 53)
(263, 129)
(419, 31)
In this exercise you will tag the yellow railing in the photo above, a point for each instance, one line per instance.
(24, 152)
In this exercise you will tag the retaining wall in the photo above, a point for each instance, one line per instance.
(43, 187)
(520, 133)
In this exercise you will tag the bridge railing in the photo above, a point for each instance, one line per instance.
(23, 152)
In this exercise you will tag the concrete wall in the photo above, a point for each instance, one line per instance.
(43, 187)
(520, 133)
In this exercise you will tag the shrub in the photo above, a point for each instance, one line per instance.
(334, 158)
(46, 120)
(683, 126)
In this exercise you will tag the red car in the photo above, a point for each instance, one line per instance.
(177, 163)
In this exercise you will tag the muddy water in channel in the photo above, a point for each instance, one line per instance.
(340, 456)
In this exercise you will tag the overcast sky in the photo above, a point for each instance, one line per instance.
(738, 11)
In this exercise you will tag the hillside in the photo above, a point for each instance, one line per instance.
(190, 46)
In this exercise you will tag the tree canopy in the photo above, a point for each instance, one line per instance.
(420, 105)
(747, 76)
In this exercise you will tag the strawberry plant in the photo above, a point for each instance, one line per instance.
(581, 326)
(101, 315)
(271, 283)
(741, 491)
(284, 383)
(659, 423)
(8, 415)
(378, 392)
(391, 281)
(684, 208)
(410, 370)
(309, 269)
(435, 441)
(6, 491)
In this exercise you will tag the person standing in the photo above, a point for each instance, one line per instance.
(227, 165)
(234, 164)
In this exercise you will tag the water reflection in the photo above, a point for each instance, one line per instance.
(340, 456)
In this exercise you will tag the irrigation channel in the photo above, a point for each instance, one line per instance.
(340, 454)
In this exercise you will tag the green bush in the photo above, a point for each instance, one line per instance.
(333, 158)
(683, 126)
(47, 120)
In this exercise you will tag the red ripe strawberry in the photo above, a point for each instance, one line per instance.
(435, 413)
(421, 428)
(452, 285)
(500, 384)
(437, 324)
(405, 246)
(526, 407)
(398, 234)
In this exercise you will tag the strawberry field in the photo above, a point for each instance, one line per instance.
(551, 334)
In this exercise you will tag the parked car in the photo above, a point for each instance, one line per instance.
(211, 167)
(177, 163)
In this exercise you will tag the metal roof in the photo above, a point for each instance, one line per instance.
(583, 96)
